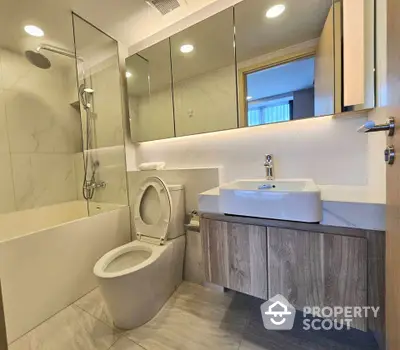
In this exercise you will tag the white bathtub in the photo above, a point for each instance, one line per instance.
(47, 257)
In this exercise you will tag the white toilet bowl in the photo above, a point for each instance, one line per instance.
(137, 278)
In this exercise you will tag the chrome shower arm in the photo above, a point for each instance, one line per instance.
(59, 50)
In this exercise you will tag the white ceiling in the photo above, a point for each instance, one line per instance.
(282, 79)
(130, 20)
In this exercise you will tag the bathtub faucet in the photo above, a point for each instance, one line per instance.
(92, 185)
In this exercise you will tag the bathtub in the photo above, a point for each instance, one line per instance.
(47, 257)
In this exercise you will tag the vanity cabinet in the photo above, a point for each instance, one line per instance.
(317, 269)
(309, 264)
(236, 256)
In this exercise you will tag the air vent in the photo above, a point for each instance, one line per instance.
(165, 6)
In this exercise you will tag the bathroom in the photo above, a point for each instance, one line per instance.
(169, 168)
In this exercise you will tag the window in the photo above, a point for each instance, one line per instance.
(270, 113)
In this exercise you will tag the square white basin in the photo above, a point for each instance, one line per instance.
(294, 200)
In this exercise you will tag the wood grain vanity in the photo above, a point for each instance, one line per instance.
(309, 264)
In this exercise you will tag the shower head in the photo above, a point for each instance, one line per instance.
(37, 59)
(41, 61)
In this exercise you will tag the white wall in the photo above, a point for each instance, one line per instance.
(325, 149)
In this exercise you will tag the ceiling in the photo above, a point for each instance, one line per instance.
(129, 20)
(256, 35)
(281, 79)
(213, 41)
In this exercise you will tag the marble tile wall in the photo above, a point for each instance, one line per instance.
(107, 129)
(107, 134)
(112, 171)
(39, 134)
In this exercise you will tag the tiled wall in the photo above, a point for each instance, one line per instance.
(107, 134)
(39, 134)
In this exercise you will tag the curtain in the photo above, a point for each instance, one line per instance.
(268, 114)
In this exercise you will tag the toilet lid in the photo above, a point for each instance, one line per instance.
(152, 210)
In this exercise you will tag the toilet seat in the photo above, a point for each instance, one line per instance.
(102, 267)
(154, 232)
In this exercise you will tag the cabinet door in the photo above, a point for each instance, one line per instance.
(315, 269)
(235, 256)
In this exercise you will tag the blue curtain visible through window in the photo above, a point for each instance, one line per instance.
(268, 114)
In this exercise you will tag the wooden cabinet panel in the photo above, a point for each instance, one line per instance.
(316, 269)
(295, 266)
(345, 273)
(215, 248)
(236, 256)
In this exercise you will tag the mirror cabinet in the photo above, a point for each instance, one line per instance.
(256, 63)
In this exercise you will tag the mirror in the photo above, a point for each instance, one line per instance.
(286, 61)
(253, 64)
(148, 75)
(203, 69)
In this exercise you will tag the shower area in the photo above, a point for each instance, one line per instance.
(63, 188)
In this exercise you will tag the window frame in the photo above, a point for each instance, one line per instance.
(273, 62)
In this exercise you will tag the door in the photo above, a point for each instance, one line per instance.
(393, 181)
(3, 335)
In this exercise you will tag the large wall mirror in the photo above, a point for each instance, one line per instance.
(149, 83)
(203, 70)
(259, 62)
(286, 60)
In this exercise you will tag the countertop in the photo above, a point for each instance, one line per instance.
(343, 206)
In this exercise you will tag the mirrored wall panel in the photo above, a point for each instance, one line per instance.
(285, 57)
(256, 63)
(203, 69)
(149, 82)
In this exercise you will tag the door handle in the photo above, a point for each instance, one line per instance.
(390, 155)
(370, 126)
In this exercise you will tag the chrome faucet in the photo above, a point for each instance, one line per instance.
(269, 166)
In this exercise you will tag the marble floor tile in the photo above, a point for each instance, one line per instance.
(256, 337)
(94, 304)
(196, 318)
(70, 329)
(126, 344)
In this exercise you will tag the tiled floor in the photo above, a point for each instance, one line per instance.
(195, 318)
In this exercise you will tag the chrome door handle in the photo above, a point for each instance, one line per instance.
(370, 126)
(390, 155)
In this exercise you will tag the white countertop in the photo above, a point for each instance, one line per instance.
(344, 206)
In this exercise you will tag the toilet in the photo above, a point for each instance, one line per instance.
(137, 278)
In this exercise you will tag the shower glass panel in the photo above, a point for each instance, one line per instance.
(40, 130)
(103, 179)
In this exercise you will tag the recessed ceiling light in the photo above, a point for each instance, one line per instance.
(275, 11)
(248, 98)
(34, 31)
(187, 48)
(128, 74)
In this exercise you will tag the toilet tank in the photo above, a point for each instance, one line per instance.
(177, 225)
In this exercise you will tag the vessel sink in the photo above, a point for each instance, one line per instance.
(293, 200)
